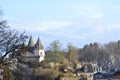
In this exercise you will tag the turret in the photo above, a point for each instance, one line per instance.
(23, 49)
(39, 50)
(38, 44)
(31, 42)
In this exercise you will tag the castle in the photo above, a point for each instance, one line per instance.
(33, 52)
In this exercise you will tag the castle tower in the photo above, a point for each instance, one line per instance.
(31, 42)
(31, 45)
(23, 48)
(38, 44)
(39, 50)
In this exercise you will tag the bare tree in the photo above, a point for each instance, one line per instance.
(54, 52)
(10, 40)
(55, 46)
(72, 53)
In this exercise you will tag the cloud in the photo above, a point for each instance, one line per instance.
(96, 16)
(113, 27)
(69, 31)
(106, 29)
(90, 11)
(64, 29)
(98, 30)
(42, 26)
(87, 25)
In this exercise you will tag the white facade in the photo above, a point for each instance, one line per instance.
(41, 54)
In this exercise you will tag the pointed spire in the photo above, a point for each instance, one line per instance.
(39, 44)
(31, 42)
(23, 48)
(23, 45)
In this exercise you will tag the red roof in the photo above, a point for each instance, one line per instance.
(116, 74)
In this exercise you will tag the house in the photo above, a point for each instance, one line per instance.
(33, 52)
(88, 69)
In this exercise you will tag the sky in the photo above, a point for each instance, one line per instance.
(79, 22)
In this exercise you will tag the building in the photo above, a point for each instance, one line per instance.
(88, 69)
(33, 52)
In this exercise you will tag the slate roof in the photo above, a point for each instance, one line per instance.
(38, 44)
(31, 42)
